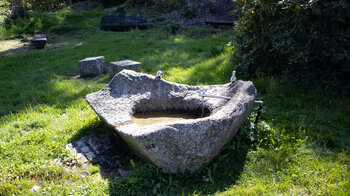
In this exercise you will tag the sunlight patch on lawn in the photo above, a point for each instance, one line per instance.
(179, 39)
(203, 73)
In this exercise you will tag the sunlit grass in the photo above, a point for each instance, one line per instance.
(300, 147)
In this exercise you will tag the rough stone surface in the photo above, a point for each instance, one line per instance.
(39, 41)
(117, 66)
(175, 146)
(92, 66)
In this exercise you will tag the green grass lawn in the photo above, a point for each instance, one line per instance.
(300, 146)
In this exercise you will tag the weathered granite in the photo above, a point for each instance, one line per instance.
(117, 66)
(39, 41)
(176, 146)
(92, 66)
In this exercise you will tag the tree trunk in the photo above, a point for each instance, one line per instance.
(18, 12)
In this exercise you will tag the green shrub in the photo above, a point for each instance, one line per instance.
(306, 41)
(62, 21)
(4, 10)
(189, 12)
(138, 3)
(46, 5)
(169, 5)
(215, 51)
(109, 3)
(173, 28)
(121, 9)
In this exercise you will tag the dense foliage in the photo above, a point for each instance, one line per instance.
(4, 10)
(307, 41)
(50, 22)
(51, 5)
(37, 5)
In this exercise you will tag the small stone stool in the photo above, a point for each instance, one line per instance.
(92, 66)
(117, 66)
(39, 41)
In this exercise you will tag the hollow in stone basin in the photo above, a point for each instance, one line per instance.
(177, 146)
(142, 119)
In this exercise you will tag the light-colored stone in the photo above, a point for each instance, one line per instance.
(35, 188)
(118, 66)
(94, 144)
(58, 161)
(71, 148)
(81, 158)
(90, 155)
(79, 143)
(181, 145)
(92, 66)
(85, 149)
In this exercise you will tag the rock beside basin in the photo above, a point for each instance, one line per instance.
(178, 146)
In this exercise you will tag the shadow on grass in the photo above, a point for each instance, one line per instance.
(218, 175)
(55, 42)
(44, 80)
(146, 179)
(111, 154)
(306, 112)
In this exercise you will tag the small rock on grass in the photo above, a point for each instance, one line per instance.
(35, 188)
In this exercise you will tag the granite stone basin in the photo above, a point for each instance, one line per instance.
(177, 146)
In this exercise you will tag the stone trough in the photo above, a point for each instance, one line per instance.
(175, 146)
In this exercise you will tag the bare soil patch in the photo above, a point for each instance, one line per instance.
(16, 46)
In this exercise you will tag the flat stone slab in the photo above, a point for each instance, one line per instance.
(92, 66)
(39, 41)
(178, 146)
(117, 66)
(96, 150)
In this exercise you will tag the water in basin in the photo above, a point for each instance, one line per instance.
(142, 119)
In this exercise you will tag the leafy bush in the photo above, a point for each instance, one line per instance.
(215, 51)
(109, 3)
(169, 5)
(171, 29)
(189, 12)
(61, 21)
(46, 5)
(306, 41)
(4, 10)
(138, 3)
